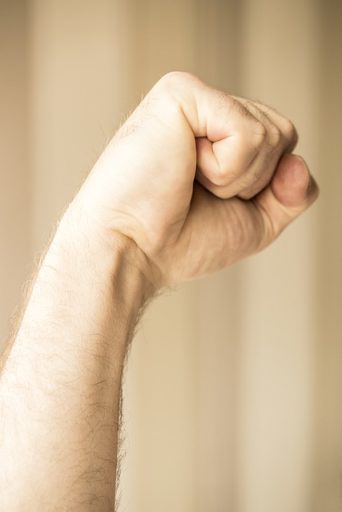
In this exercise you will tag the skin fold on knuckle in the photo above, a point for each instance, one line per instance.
(258, 136)
(275, 138)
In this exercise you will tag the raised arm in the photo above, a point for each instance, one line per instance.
(193, 181)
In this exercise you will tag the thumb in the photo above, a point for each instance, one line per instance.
(291, 191)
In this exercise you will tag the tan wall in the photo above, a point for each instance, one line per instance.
(14, 177)
(233, 386)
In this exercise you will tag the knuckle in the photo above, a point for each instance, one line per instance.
(241, 109)
(289, 130)
(225, 172)
(275, 137)
(219, 179)
(246, 194)
(175, 79)
(220, 175)
(259, 134)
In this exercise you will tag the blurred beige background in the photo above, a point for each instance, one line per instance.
(233, 390)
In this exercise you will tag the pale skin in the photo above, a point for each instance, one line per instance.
(194, 181)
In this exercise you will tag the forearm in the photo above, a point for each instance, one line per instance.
(60, 386)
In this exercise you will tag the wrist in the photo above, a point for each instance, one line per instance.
(107, 251)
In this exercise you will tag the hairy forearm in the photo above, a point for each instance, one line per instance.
(60, 384)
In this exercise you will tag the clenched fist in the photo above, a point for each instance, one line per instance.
(197, 179)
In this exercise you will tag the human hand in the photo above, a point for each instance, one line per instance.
(197, 179)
